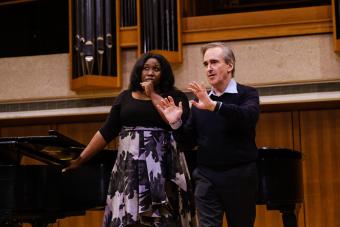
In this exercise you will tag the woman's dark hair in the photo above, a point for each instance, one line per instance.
(167, 79)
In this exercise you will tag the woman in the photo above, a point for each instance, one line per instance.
(149, 180)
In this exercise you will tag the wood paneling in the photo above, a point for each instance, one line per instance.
(79, 131)
(32, 130)
(93, 82)
(90, 219)
(251, 25)
(82, 132)
(320, 133)
(128, 37)
(261, 24)
(275, 130)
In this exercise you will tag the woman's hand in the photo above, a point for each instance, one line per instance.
(148, 87)
(169, 109)
(73, 164)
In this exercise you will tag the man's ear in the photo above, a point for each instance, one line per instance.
(230, 67)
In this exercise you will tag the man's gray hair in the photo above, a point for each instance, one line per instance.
(227, 52)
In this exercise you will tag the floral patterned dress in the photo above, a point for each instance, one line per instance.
(150, 181)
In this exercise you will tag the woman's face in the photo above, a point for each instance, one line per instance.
(151, 71)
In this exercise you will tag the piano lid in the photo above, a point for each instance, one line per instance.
(52, 149)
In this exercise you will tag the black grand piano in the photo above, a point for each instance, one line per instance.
(281, 186)
(41, 194)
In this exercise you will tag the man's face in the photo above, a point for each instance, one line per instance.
(217, 70)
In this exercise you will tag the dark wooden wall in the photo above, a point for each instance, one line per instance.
(313, 129)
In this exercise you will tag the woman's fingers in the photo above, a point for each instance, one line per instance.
(168, 101)
(160, 107)
(171, 100)
(165, 102)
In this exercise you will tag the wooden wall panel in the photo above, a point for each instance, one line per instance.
(269, 218)
(82, 132)
(30, 130)
(320, 144)
(90, 219)
(266, 217)
(275, 130)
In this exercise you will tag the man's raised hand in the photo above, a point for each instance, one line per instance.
(204, 101)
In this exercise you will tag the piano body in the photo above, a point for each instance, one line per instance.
(281, 184)
(280, 181)
(41, 194)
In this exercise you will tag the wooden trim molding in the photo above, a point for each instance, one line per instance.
(171, 56)
(251, 25)
(312, 105)
(94, 82)
(265, 108)
(128, 37)
(261, 24)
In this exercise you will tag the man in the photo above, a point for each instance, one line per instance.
(222, 125)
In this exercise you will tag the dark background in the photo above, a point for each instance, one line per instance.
(34, 28)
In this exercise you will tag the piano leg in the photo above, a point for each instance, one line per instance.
(289, 215)
(289, 219)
